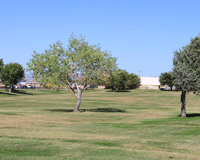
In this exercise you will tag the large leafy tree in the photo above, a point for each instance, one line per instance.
(79, 64)
(11, 74)
(166, 78)
(186, 70)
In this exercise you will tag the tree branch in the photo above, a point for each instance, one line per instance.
(84, 87)
(72, 89)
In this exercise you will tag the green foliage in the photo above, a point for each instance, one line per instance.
(186, 70)
(88, 62)
(166, 79)
(49, 67)
(12, 73)
(121, 79)
(1, 66)
(133, 81)
(80, 63)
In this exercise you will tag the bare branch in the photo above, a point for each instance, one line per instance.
(84, 88)
(72, 89)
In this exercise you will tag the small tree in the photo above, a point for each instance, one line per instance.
(80, 64)
(133, 81)
(166, 79)
(121, 79)
(1, 67)
(186, 70)
(11, 74)
(113, 81)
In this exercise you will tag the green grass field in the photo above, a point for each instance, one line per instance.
(140, 124)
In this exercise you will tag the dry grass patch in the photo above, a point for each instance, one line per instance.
(148, 129)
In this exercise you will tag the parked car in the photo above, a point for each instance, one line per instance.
(10, 86)
(29, 87)
(24, 87)
(162, 89)
(18, 87)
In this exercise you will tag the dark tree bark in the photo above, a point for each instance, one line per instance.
(183, 109)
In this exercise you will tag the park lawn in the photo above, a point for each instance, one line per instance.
(136, 124)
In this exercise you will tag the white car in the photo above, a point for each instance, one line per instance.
(29, 86)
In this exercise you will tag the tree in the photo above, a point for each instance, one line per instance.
(118, 80)
(166, 79)
(11, 74)
(113, 81)
(121, 79)
(186, 70)
(133, 81)
(1, 66)
(80, 64)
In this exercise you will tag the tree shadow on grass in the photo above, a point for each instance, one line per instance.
(7, 93)
(88, 110)
(22, 92)
(120, 91)
(170, 90)
(191, 115)
(16, 93)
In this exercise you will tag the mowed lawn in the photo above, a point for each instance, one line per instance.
(139, 124)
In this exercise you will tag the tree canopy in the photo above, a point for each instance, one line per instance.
(11, 74)
(1, 66)
(166, 78)
(186, 70)
(121, 79)
(79, 64)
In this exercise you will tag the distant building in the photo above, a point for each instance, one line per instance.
(27, 82)
(149, 83)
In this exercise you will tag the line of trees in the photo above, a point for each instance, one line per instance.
(84, 64)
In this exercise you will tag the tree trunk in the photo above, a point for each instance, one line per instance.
(78, 105)
(183, 110)
(79, 100)
(113, 88)
(10, 89)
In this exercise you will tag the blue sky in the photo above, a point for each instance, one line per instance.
(142, 34)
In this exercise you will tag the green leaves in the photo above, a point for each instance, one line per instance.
(166, 79)
(12, 73)
(80, 62)
(1, 66)
(186, 70)
(48, 66)
(120, 79)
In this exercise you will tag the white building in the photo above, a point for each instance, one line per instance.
(149, 83)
